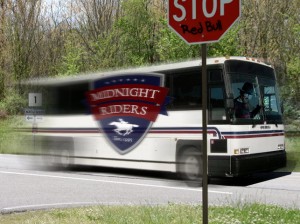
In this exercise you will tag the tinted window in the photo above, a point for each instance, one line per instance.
(216, 103)
(68, 99)
(215, 75)
(234, 66)
(185, 87)
(185, 90)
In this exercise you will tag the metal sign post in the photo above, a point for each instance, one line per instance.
(201, 22)
(204, 140)
(34, 114)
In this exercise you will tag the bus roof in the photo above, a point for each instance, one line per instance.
(88, 77)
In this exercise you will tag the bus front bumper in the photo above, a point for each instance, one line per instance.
(234, 166)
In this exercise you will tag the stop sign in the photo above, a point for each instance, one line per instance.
(202, 21)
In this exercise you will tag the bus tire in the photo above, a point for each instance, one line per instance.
(190, 165)
(59, 153)
(65, 159)
(49, 160)
(49, 154)
(64, 152)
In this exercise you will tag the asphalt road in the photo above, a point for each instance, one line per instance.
(26, 185)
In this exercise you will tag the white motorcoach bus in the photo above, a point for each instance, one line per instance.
(238, 143)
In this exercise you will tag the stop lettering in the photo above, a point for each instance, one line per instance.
(202, 21)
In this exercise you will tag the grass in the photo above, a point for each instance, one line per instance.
(9, 138)
(172, 213)
(293, 154)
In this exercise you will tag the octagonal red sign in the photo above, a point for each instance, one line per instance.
(202, 21)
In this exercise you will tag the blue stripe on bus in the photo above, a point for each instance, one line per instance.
(253, 134)
(171, 130)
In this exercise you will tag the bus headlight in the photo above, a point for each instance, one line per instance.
(244, 151)
(241, 151)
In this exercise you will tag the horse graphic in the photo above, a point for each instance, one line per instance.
(123, 127)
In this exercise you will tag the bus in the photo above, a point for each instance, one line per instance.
(98, 119)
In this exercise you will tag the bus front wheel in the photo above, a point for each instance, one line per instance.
(190, 165)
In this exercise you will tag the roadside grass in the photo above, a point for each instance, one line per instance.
(293, 154)
(6, 136)
(160, 214)
(11, 141)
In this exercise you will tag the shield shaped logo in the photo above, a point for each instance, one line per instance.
(125, 107)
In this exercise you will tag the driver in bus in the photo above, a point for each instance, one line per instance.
(241, 103)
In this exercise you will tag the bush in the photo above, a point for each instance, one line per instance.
(12, 104)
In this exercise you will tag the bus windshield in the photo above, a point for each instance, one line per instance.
(254, 91)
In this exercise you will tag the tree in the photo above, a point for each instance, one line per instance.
(265, 31)
(228, 45)
(93, 22)
(2, 48)
(72, 61)
(23, 28)
(138, 28)
(173, 48)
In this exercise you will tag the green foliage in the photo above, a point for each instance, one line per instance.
(72, 62)
(138, 31)
(173, 48)
(104, 54)
(11, 141)
(228, 45)
(291, 94)
(293, 71)
(134, 29)
(13, 103)
(293, 154)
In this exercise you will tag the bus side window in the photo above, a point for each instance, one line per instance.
(67, 99)
(186, 91)
(216, 103)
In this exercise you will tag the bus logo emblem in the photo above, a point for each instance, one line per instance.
(126, 106)
(123, 128)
